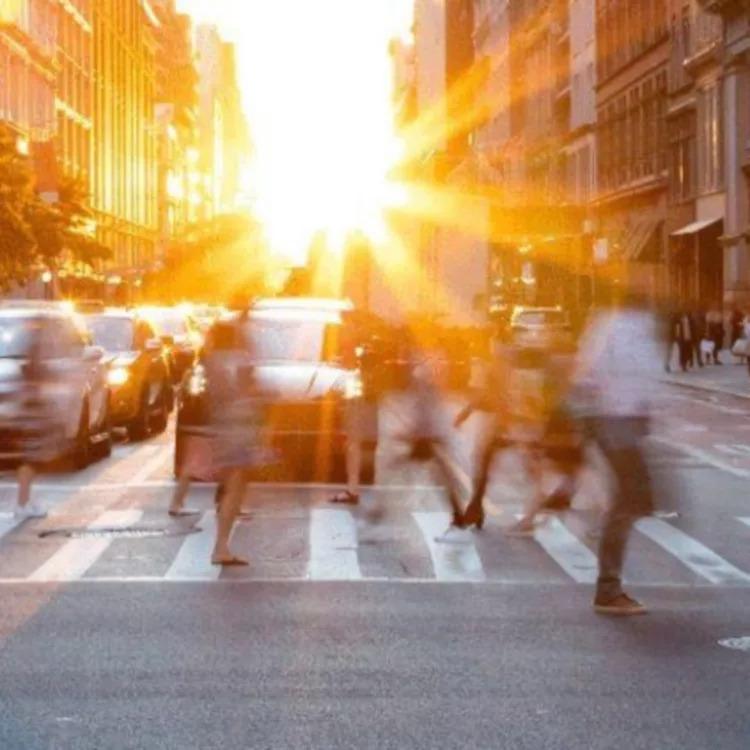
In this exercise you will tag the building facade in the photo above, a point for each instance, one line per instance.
(73, 92)
(223, 136)
(695, 117)
(633, 53)
(734, 97)
(124, 174)
(28, 46)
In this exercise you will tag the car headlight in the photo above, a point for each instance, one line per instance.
(196, 383)
(353, 386)
(118, 376)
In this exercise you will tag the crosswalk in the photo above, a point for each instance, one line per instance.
(325, 543)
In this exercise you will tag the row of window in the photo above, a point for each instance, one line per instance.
(632, 134)
(627, 29)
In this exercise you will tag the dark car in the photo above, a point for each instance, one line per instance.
(181, 334)
(296, 358)
(141, 395)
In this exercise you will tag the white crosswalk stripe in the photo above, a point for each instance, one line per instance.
(564, 547)
(333, 546)
(452, 562)
(696, 556)
(193, 561)
(320, 543)
(77, 556)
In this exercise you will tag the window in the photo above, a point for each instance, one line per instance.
(710, 165)
(682, 157)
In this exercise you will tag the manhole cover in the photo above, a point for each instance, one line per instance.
(122, 532)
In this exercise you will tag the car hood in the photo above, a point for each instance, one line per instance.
(299, 382)
(120, 359)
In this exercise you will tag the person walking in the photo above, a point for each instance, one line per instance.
(236, 409)
(613, 383)
(715, 332)
(685, 340)
(697, 333)
(735, 326)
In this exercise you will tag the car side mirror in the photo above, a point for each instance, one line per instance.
(93, 353)
(153, 346)
(167, 340)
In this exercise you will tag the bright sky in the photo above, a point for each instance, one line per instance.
(315, 77)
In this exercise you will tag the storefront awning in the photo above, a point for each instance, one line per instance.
(639, 239)
(695, 227)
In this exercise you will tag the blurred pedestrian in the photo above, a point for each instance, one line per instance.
(684, 338)
(697, 333)
(617, 353)
(362, 357)
(735, 326)
(236, 407)
(715, 331)
(39, 428)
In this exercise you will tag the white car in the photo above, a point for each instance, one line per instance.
(541, 327)
(66, 404)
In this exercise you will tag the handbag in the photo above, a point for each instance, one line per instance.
(741, 348)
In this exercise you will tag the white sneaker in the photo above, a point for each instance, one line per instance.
(455, 535)
(30, 510)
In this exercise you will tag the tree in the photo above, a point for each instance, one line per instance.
(34, 232)
(17, 241)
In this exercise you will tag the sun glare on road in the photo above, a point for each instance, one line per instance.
(317, 85)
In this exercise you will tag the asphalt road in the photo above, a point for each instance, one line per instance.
(346, 633)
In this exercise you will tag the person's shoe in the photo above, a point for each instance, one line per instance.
(345, 498)
(620, 606)
(520, 529)
(183, 512)
(455, 535)
(30, 510)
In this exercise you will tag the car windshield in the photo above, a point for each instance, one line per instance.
(286, 340)
(169, 322)
(16, 337)
(112, 334)
(541, 318)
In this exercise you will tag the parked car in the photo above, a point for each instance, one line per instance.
(181, 334)
(296, 356)
(72, 397)
(141, 393)
(541, 327)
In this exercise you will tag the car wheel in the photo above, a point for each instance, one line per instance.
(138, 427)
(159, 422)
(80, 456)
(104, 448)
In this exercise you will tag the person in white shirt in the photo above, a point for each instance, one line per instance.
(618, 352)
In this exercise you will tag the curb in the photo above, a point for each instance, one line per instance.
(706, 388)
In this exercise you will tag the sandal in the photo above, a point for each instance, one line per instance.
(345, 498)
(183, 512)
(231, 561)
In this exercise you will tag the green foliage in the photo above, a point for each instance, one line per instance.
(34, 232)
(17, 241)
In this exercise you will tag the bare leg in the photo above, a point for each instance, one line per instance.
(353, 465)
(180, 493)
(228, 510)
(25, 477)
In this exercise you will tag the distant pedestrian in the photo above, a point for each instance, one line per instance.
(735, 326)
(715, 332)
(38, 425)
(684, 336)
(697, 333)
(615, 378)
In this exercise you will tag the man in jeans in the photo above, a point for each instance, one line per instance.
(619, 355)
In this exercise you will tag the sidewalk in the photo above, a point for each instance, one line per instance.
(731, 378)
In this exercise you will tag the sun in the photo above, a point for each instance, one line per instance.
(322, 123)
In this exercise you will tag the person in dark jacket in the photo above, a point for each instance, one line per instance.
(697, 333)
